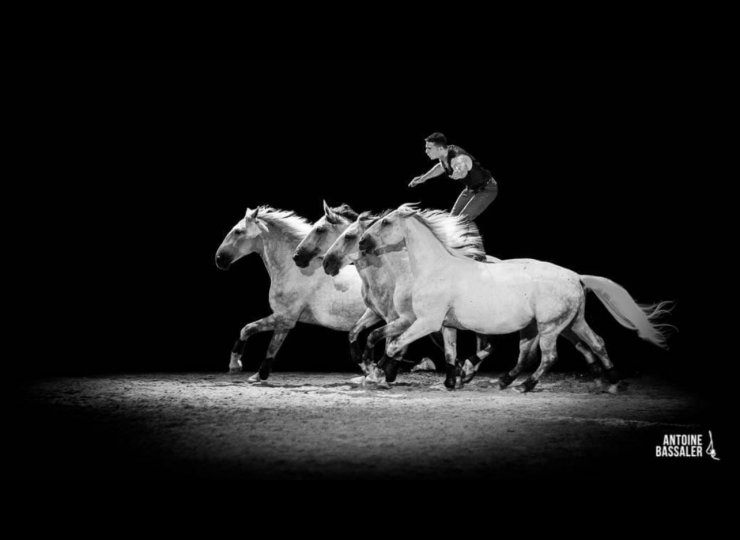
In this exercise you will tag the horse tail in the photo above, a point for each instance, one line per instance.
(630, 314)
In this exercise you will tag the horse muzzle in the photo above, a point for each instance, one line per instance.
(223, 260)
(366, 245)
(302, 258)
(331, 265)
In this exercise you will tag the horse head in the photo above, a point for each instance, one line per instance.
(345, 249)
(387, 229)
(323, 234)
(241, 240)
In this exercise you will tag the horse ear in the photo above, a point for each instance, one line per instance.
(328, 213)
(254, 214)
(261, 225)
(331, 217)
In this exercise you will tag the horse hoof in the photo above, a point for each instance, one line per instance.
(359, 381)
(254, 378)
(439, 386)
(391, 370)
(521, 388)
(383, 385)
(235, 365)
(374, 374)
(505, 380)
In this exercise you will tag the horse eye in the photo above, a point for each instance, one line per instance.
(384, 222)
(238, 232)
(320, 231)
(350, 236)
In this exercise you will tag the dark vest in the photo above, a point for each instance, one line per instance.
(476, 177)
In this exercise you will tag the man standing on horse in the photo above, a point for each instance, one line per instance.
(480, 187)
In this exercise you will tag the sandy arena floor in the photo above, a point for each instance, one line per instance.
(144, 428)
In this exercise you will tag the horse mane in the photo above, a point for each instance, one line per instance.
(345, 211)
(457, 234)
(367, 215)
(287, 222)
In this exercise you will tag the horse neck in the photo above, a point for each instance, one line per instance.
(380, 272)
(425, 251)
(397, 264)
(277, 254)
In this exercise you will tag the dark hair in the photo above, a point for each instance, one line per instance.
(437, 138)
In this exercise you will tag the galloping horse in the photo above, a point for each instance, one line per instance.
(379, 290)
(387, 285)
(295, 295)
(541, 299)
(311, 250)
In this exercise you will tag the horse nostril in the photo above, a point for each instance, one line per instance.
(296, 256)
(222, 261)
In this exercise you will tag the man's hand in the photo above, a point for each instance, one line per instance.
(416, 181)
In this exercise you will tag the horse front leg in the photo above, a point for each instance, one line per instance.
(418, 329)
(452, 370)
(368, 319)
(237, 352)
(384, 332)
(275, 343)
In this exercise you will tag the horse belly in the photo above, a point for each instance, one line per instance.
(489, 319)
(493, 307)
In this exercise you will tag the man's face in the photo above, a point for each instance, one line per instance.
(433, 151)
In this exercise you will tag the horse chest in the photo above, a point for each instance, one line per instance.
(380, 300)
(280, 298)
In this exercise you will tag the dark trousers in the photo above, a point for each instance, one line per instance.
(472, 203)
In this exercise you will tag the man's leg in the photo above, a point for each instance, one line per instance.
(465, 196)
(478, 202)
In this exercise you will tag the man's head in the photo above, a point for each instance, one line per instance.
(436, 145)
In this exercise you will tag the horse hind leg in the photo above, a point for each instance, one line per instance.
(470, 367)
(528, 343)
(549, 330)
(581, 347)
(581, 329)
(548, 346)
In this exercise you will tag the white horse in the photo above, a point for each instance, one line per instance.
(540, 298)
(383, 290)
(296, 295)
(311, 249)
(387, 286)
